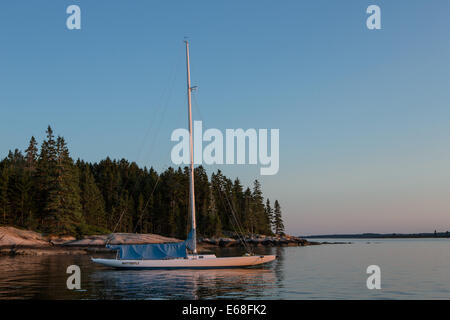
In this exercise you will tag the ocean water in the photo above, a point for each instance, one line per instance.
(410, 269)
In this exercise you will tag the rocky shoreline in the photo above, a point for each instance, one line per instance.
(15, 241)
(257, 241)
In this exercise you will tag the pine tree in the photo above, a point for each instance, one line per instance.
(262, 220)
(216, 188)
(249, 214)
(31, 155)
(269, 215)
(238, 200)
(202, 199)
(141, 216)
(278, 221)
(31, 159)
(63, 207)
(21, 196)
(4, 201)
(214, 226)
(45, 178)
(18, 188)
(92, 203)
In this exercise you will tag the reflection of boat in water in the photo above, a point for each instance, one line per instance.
(174, 255)
(184, 284)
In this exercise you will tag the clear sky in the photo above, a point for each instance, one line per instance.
(364, 116)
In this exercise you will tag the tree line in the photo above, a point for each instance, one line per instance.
(47, 191)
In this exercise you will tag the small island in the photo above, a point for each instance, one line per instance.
(50, 203)
(14, 241)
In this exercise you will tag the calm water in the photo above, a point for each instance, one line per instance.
(410, 269)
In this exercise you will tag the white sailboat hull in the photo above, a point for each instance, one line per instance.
(189, 263)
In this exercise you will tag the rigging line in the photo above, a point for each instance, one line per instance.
(146, 204)
(236, 223)
(197, 107)
(168, 91)
(214, 165)
(237, 226)
(153, 117)
(153, 141)
(161, 119)
(109, 238)
(149, 197)
(233, 211)
(148, 200)
(235, 217)
(168, 96)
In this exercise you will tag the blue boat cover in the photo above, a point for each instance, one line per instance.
(157, 251)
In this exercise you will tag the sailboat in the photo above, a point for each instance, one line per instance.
(175, 255)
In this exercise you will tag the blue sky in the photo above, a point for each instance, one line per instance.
(364, 116)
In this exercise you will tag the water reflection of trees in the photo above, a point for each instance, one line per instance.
(38, 277)
(279, 265)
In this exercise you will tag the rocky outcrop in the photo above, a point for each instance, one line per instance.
(120, 238)
(258, 240)
(59, 240)
(10, 236)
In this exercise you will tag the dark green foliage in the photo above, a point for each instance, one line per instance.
(4, 201)
(270, 215)
(31, 156)
(259, 210)
(278, 221)
(45, 191)
(62, 211)
(92, 203)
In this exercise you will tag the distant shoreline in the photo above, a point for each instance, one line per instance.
(432, 235)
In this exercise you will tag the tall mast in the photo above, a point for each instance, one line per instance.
(191, 152)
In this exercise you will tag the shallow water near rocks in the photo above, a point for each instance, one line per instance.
(410, 269)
